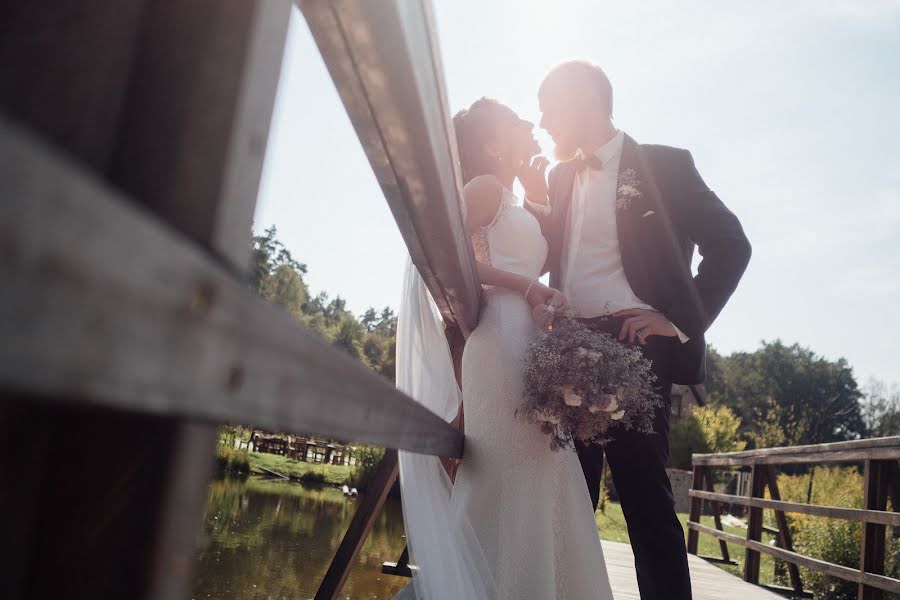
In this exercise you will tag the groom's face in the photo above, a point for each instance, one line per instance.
(560, 121)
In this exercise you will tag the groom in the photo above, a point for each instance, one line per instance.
(622, 220)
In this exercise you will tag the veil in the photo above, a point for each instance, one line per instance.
(442, 544)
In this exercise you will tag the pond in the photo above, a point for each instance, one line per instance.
(273, 540)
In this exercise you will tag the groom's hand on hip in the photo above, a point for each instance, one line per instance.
(641, 323)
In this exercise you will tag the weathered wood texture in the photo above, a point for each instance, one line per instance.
(384, 60)
(171, 332)
(834, 512)
(708, 582)
(159, 99)
(857, 450)
(68, 59)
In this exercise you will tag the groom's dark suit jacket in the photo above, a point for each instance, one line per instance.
(657, 247)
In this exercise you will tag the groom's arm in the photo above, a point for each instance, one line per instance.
(721, 242)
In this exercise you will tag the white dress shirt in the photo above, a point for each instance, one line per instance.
(593, 278)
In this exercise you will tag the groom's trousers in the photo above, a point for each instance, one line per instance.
(638, 463)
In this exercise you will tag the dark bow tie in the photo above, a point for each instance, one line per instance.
(591, 161)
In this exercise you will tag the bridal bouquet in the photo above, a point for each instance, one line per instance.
(580, 384)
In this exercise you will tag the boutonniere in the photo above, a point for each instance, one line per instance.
(628, 189)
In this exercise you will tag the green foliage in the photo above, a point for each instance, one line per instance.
(833, 540)
(278, 277)
(881, 409)
(299, 470)
(367, 459)
(791, 389)
(706, 429)
(229, 460)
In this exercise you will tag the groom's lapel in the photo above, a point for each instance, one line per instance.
(637, 203)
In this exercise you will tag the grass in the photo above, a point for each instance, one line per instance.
(304, 471)
(612, 528)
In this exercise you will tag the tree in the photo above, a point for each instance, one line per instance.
(267, 254)
(815, 400)
(707, 429)
(881, 408)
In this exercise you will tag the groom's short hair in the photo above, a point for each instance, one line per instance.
(577, 74)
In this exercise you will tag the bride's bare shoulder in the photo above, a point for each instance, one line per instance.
(482, 196)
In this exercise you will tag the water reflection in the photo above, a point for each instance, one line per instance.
(274, 540)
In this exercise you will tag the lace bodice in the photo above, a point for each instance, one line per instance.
(512, 241)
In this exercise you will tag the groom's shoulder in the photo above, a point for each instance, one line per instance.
(668, 161)
(662, 152)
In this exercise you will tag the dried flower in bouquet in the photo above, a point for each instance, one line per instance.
(582, 384)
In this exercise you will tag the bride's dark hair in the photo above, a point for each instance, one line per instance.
(474, 126)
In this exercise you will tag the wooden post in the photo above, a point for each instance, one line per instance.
(785, 539)
(717, 513)
(696, 510)
(372, 501)
(755, 524)
(872, 552)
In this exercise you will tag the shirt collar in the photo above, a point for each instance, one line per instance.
(609, 150)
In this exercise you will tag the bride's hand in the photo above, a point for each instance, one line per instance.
(541, 294)
(534, 180)
(542, 316)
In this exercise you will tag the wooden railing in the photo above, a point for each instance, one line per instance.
(881, 480)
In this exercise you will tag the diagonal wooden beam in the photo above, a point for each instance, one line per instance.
(171, 331)
(383, 58)
(380, 485)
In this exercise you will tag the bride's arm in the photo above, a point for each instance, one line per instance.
(482, 197)
(534, 291)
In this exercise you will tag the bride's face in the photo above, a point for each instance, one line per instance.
(517, 140)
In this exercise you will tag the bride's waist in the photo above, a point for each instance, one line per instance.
(496, 296)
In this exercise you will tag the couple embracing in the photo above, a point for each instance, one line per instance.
(615, 224)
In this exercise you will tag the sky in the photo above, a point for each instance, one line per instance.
(790, 109)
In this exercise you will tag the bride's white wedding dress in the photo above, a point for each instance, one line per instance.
(528, 506)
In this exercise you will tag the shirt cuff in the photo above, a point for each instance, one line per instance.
(542, 209)
(681, 335)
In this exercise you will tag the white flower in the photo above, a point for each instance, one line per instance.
(628, 189)
(617, 415)
(607, 403)
(571, 397)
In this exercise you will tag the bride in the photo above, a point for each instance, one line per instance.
(518, 522)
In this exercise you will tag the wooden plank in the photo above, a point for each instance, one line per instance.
(872, 544)
(846, 573)
(192, 139)
(708, 582)
(784, 532)
(172, 333)
(887, 453)
(754, 525)
(384, 60)
(875, 448)
(65, 69)
(382, 481)
(833, 512)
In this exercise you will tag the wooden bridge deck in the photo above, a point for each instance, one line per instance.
(709, 582)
